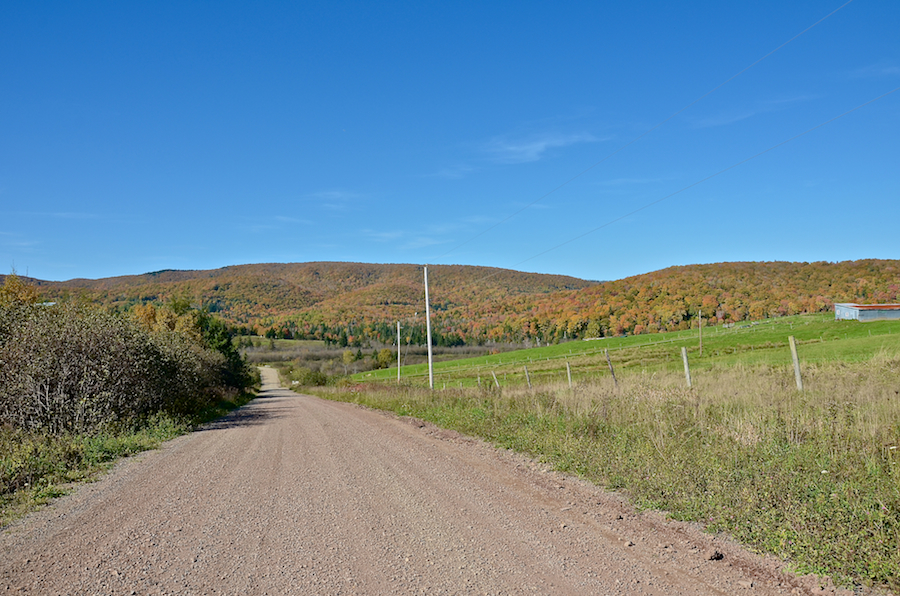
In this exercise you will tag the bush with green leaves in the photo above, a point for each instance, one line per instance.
(74, 368)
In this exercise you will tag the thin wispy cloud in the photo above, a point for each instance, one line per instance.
(62, 214)
(628, 181)
(334, 200)
(421, 242)
(16, 240)
(876, 71)
(624, 181)
(429, 235)
(263, 228)
(730, 116)
(334, 195)
(521, 205)
(479, 219)
(725, 118)
(16, 243)
(288, 219)
(381, 236)
(454, 172)
(449, 227)
(532, 148)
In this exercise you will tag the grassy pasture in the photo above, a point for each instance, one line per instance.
(820, 338)
(812, 476)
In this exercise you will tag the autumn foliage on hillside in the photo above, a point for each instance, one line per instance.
(317, 300)
(672, 299)
(351, 303)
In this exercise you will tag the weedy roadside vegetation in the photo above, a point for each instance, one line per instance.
(309, 356)
(812, 476)
(35, 467)
(81, 386)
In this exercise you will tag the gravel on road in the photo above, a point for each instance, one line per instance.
(297, 495)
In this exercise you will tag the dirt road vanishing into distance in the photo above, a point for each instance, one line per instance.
(297, 495)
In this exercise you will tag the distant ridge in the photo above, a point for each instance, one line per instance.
(247, 294)
(471, 303)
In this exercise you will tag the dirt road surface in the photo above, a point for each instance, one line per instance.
(297, 495)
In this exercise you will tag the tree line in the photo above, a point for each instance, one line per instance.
(671, 299)
(71, 367)
(354, 305)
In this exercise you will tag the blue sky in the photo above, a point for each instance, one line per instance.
(138, 136)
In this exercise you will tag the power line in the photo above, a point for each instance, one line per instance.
(698, 182)
(689, 186)
(637, 138)
(587, 352)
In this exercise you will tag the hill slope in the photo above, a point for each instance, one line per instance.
(352, 301)
(672, 298)
(275, 293)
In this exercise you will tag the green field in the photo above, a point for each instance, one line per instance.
(811, 476)
(820, 339)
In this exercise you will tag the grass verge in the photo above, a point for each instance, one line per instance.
(812, 477)
(36, 467)
(821, 339)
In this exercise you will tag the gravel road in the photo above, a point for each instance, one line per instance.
(297, 495)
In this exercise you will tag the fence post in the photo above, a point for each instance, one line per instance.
(496, 382)
(569, 373)
(687, 368)
(796, 360)
(527, 378)
(611, 371)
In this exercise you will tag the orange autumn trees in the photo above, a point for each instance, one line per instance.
(353, 303)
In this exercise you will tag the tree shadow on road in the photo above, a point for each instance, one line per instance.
(262, 410)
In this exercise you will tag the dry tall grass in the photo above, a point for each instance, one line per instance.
(812, 476)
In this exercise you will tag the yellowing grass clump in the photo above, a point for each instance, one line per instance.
(811, 476)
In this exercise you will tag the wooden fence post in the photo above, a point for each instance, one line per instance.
(569, 373)
(496, 382)
(527, 378)
(611, 371)
(687, 368)
(796, 360)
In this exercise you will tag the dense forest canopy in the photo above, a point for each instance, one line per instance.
(353, 303)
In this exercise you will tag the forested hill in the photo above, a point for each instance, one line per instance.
(672, 298)
(352, 302)
(265, 294)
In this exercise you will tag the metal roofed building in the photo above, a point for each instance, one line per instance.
(847, 311)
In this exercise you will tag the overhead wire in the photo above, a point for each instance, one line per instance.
(639, 137)
(644, 134)
(692, 185)
(698, 182)
(689, 186)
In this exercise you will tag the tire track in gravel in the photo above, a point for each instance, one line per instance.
(297, 495)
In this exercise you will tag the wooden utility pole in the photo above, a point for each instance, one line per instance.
(796, 360)
(701, 331)
(428, 333)
(611, 371)
(687, 368)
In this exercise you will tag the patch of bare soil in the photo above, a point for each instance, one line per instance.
(297, 495)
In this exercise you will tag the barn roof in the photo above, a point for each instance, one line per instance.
(870, 306)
